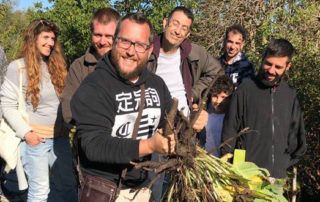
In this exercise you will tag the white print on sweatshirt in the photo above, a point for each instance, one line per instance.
(127, 113)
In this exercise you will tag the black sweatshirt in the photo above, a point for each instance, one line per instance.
(105, 108)
(273, 113)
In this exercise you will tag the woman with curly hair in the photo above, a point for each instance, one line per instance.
(43, 74)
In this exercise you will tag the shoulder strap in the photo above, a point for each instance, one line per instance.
(21, 101)
(141, 106)
(135, 129)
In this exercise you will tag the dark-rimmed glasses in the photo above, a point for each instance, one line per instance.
(126, 44)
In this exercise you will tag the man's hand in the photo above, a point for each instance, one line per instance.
(33, 139)
(202, 120)
(157, 143)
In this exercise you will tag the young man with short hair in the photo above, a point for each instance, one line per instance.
(269, 107)
(236, 64)
(103, 26)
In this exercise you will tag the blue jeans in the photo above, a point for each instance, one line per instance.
(36, 161)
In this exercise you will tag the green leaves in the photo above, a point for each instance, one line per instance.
(212, 179)
(11, 26)
(249, 169)
(155, 10)
(258, 181)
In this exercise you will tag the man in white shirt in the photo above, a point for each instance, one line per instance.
(186, 68)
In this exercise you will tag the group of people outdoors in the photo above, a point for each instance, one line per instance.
(117, 95)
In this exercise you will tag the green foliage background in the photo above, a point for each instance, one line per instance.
(296, 20)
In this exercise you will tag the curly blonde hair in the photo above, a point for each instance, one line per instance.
(55, 61)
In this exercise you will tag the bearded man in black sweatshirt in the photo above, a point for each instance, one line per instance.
(106, 105)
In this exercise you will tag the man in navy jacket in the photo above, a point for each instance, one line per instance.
(236, 64)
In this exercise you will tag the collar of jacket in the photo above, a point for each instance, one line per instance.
(240, 57)
(185, 47)
(91, 56)
(185, 50)
(264, 84)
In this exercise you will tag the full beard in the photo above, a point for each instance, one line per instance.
(263, 78)
(127, 75)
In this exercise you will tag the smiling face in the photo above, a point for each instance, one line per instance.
(102, 36)
(234, 44)
(45, 43)
(177, 28)
(216, 100)
(127, 60)
(274, 67)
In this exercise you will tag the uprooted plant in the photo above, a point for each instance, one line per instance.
(198, 176)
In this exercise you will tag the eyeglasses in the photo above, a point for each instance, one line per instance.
(176, 24)
(138, 46)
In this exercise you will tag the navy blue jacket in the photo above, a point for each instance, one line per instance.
(238, 70)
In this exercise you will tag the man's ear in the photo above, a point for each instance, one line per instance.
(242, 45)
(288, 66)
(165, 22)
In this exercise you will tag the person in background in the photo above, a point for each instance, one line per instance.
(9, 189)
(43, 70)
(103, 25)
(186, 68)
(234, 61)
(269, 107)
(219, 99)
